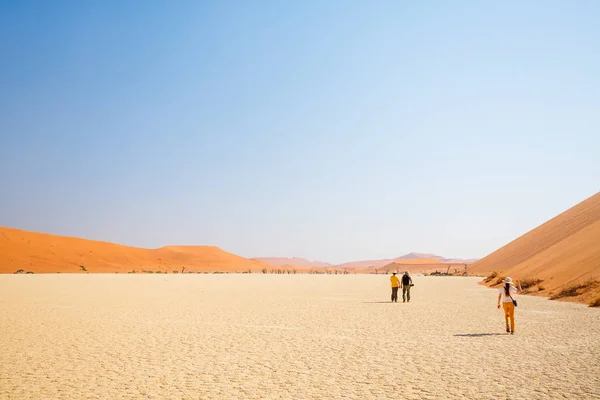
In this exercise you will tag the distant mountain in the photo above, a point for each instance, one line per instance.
(295, 261)
(411, 256)
(418, 261)
(365, 264)
(407, 259)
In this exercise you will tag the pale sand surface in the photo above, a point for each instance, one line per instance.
(286, 336)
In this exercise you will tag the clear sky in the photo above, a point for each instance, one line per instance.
(331, 130)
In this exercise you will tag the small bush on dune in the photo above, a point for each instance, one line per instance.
(83, 268)
(21, 271)
(490, 277)
(499, 280)
(574, 289)
(595, 303)
(175, 271)
(541, 288)
(29, 272)
(529, 282)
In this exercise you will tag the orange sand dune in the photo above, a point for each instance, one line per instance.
(45, 253)
(562, 252)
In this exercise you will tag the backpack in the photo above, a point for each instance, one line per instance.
(405, 280)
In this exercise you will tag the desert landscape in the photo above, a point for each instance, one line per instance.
(275, 328)
(46, 253)
(234, 336)
(210, 200)
(559, 259)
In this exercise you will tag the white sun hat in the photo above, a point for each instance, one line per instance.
(508, 279)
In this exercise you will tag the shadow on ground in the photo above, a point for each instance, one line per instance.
(379, 302)
(479, 334)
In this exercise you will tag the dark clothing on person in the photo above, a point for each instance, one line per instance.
(406, 293)
(395, 293)
(406, 284)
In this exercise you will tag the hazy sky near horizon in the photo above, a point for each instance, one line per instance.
(330, 130)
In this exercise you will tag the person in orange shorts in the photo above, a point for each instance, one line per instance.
(506, 296)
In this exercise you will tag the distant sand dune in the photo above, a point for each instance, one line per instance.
(45, 253)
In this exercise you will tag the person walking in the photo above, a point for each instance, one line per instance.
(506, 295)
(395, 284)
(406, 284)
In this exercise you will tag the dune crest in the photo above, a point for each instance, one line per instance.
(563, 254)
(46, 253)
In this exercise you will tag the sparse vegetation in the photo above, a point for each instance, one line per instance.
(132, 272)
(175, 271)
(21, 271)
(490, 277)
(541, 288)
(529, 283)
(595, 303)
(574, 289)
(29, 272)
(499, 280)
(264, 271)
(83, 268)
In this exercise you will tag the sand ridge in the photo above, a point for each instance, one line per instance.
(562, 252)
(45, 253)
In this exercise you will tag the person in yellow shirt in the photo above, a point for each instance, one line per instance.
(395, 284)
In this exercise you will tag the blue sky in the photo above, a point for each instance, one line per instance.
(331, 130)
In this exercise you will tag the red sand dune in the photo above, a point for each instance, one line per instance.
(45, 253)
(562, 252)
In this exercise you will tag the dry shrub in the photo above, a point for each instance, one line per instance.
(499, 280)
(490, 277)
(529, 282)
(595, 303)
(575, 289)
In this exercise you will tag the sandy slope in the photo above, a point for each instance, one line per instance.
(260, 336)
(562, 251)
(44, 253)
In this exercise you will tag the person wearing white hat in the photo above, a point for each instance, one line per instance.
(506, 296)
(395, 284)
